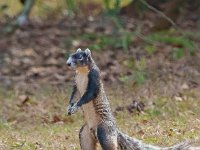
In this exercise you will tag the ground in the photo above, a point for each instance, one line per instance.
(38, 119)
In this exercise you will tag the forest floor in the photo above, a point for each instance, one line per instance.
(152, 81)
(38, 120)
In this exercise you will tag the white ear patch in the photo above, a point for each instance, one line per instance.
(87, 51)
(78, 50)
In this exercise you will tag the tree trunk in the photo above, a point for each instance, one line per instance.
(21, 19)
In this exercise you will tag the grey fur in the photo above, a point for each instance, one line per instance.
(100, 123)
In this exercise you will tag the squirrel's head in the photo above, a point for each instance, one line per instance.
(79, 59)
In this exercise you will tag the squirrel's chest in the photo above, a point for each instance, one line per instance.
(81, 82)
(88, 109)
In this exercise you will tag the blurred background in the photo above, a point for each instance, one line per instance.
(147, 51)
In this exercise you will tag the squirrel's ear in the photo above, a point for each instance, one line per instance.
(88, 52)
(78, 50)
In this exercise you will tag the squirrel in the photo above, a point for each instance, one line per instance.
(100, 125)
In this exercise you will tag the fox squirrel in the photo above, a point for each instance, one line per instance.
(89, 95)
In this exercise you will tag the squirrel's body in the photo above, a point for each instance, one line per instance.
(88, 109)
(100, 124)
(97, 111)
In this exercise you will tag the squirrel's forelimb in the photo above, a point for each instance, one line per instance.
(92, 89)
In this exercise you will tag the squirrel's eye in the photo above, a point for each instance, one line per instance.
(81, 57)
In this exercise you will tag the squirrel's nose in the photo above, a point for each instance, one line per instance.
(68, 63)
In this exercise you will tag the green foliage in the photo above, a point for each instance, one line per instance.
(178, 53)
(139, 76)
(18, 144)
(153, 112)
(130, 63)
(107, 4)
(126, 40)
(71, 7)
(102, 41)
(112, 11)
(181, 42)
(126, 36)
(138, 73)
(127, 79)
(150, 49)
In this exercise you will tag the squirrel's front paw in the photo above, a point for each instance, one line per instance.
(69, 109)
(72, 109)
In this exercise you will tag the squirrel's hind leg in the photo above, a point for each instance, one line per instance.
(107, 137)
(87, 139)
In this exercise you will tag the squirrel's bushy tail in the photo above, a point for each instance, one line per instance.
(127, 143)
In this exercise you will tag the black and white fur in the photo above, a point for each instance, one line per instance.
(89, 95)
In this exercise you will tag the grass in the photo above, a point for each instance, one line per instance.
(41, 122)
(179, 42)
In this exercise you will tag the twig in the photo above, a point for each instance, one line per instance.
(159, 12)
(164, 16)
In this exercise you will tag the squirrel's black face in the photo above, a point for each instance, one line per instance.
(79, 59)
